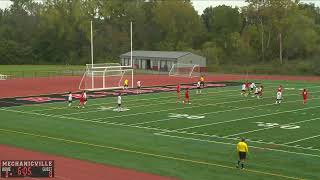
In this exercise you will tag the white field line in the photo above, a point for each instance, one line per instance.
(95, 120)
(53, 108)
(157, 98)
(165, 110)
(127, 125)
(215, 112)
(147, 154)
(302, 139)
(240, 119)
(262, 129)
(256, 147)
(228, 138)
(151, 104)
(133, 100)
(236, 139)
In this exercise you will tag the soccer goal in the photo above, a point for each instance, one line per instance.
(185, 70)
(105, 76)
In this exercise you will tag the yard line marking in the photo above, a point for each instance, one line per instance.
(302, 139)
(57, 108)
(240, 119)
(90, 105)
(133, 100)
(262, 129)
(128, 125)
(143, 105)
(233, 144)
(182, 159)
(215, 112)
(220, 137)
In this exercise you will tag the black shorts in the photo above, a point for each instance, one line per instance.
(251, 89)
(119, 105)
(125, 85)
(202, 83)
(70, 101)
(242, 155)
(198, 87)
(139, 87)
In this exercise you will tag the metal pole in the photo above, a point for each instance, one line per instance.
(92, 78)
(131, 44)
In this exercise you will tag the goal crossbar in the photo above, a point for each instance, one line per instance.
(105, 78)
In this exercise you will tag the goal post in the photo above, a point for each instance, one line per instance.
(105, 76)
(185, 70)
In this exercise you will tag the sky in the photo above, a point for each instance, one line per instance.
(199, 5)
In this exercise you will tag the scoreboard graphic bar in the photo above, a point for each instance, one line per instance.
(27, 168)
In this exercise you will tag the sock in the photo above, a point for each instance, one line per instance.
(238, 162)
(242, 165)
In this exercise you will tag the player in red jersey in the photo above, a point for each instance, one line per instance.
(178, 91)
(280, 88)
(304, 95)
(187, 98)
(82, 100)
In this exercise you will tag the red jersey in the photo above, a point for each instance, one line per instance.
(82, 98)
(187, 93)
(304, 94)
(178, 89)
(247, 85)
(280, 89)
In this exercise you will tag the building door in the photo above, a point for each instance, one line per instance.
(148, 64)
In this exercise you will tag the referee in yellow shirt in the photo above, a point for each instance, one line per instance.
(242, 149)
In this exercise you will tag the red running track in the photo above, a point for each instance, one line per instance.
(37, 86)
(72, 169)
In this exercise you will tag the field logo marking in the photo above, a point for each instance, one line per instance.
(103, 108)
(122, 109)
(175, 115)
(270, 125)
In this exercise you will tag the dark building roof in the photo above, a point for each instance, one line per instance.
(157, 54)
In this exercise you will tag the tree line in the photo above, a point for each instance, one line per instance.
(58, 31)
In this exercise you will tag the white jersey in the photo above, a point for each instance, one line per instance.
(70, 97)
(85, 95)
(138, 84)
(252, 85)
(119, 99)
(198, 84)
(257, 90)
(243, 87)
(279, 95)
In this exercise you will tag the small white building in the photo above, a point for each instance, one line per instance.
(161, 60)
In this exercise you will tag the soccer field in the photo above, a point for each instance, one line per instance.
(194, 141)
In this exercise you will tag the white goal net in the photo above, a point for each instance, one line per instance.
(105, 76)
(185, 70)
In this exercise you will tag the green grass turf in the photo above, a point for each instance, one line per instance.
(38, 70)
(147, 139)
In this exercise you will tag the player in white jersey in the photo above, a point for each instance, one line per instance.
(198, 88)
(279, 97)
(85, 98)
(119, 101)
(138, 87)
(252, 86)
(243, 89)
(70, 99)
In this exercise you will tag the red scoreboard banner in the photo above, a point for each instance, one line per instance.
(27, 168)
